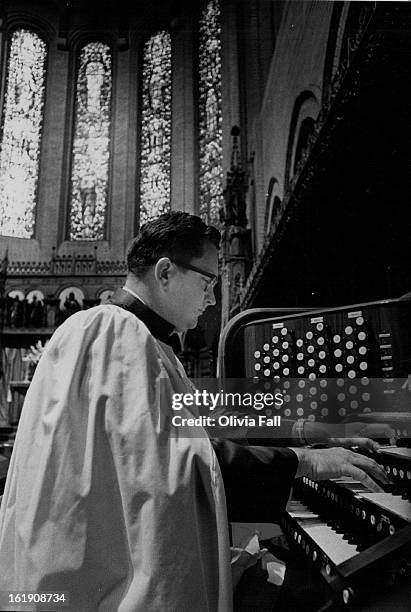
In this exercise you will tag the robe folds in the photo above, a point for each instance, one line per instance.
(105, 500)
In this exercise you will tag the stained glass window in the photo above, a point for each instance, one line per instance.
(21, 137)
(91, 143)
(210, 116)
(156, 127)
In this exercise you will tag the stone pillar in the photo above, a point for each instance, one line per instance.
(229, 76)
(236, 248)
(183, 131)
(51, 210)
(123, 197)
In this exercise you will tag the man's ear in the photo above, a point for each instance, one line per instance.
(163, 270)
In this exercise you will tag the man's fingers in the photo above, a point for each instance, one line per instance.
(370, 466)
(382, 433)
(372, 445)
(356, 473)
(361, 442)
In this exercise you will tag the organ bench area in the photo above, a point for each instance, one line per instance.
(341, 365)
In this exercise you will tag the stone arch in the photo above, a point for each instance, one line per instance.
(104, 294)
(65, 292)
(273, 204)
(13, 293)
(35, 22)
(37, 293)
(307, 128)
(306, 106)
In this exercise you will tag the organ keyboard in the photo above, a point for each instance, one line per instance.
(354, 536)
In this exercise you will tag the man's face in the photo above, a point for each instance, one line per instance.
(190, 293)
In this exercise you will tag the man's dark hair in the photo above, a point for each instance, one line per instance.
(177, 235)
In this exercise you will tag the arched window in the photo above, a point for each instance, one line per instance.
(302, 124)
(155, 166)
(307, 128)
(91, 143)
(273, 204)
(21, 134)
(210, 115)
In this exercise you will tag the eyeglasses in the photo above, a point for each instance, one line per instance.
(211, 283)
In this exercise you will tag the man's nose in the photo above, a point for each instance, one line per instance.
(210, 297)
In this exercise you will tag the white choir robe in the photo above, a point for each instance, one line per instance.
(105, 499)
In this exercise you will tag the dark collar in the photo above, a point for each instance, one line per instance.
(159, 327)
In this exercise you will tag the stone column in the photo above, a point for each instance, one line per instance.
(184, 166)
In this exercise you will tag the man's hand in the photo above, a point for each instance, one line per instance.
(360, 434)
(336, 462)
(365, 443)
(348, 435)
(370, 430)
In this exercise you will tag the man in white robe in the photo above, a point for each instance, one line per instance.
(106, 501)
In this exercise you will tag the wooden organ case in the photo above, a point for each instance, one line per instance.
(339, 365)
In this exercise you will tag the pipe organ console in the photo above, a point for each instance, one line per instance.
(339, 365)
(329, 364)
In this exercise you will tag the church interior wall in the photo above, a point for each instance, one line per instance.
(278, 59)
(284, 55)
(296, 66)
